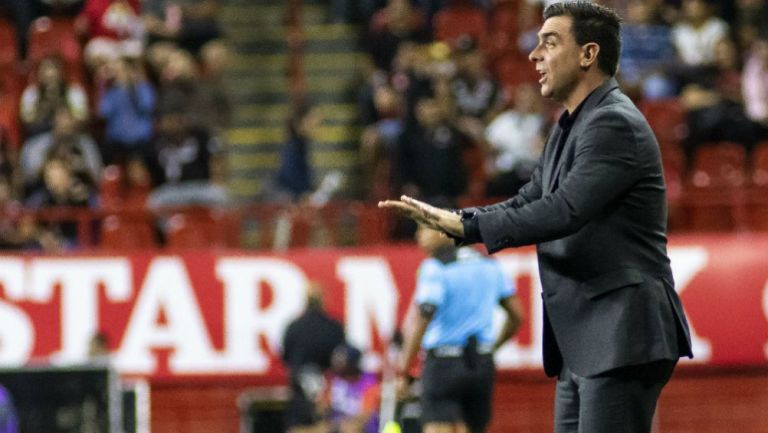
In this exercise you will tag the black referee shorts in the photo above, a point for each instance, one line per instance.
(455, 391)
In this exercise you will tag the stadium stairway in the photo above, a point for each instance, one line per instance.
(258, 84)
(261, 81)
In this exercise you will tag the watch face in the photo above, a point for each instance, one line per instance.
(467, 215)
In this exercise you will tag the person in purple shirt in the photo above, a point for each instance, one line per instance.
(9, 422)
(353, 394)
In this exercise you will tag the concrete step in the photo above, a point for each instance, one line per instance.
(252, 14)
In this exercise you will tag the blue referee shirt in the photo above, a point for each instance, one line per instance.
(465, 293)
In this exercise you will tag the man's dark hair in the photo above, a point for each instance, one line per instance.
(593, 23)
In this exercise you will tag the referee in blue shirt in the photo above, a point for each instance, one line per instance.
(457, 291)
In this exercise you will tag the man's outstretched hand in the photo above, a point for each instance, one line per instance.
(426, 214)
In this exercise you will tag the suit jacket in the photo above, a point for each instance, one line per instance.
(598, 217)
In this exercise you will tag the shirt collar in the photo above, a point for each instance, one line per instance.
(567, 119)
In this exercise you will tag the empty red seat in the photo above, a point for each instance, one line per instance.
(667, 119)
(126, 232)
(756, 208)
(111, 187)
(56, 37)
(10, 94)
(9, 54)
(513, 69)
(712, 209)
(713, 194)
(719, 165)
(504, 27)
(459, 20)
(759, 174)
(191, 229)
(374, 225)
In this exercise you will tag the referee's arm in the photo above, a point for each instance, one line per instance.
(421, 315)
(514, 311)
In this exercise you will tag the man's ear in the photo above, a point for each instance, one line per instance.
(589, 52)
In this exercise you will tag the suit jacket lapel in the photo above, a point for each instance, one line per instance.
(555, 166)
(549, 156)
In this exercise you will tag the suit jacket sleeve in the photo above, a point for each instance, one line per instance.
(605, 164)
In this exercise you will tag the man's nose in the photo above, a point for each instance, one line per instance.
(534, 55)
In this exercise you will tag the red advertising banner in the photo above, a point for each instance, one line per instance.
(222, 314)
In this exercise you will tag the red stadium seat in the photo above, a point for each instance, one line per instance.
(111, 187)
(714, 195)
(121, 232)
(513, 69)
(56, 37)
(374, 225)
(759, 175)
(719, 165)
(9, 54)
(673, 179)
(667, 119)
(504, 26)
(459, 20)
(191, 229)
(10, 94)
(712, 209)
(474, 161)
(756, 208)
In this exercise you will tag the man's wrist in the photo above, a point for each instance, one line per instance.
(471, 227)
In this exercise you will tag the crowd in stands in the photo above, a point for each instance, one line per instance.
(131, 85)
(96, 90)
(451, 103)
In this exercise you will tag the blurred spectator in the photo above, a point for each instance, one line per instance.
(9, 166)
(46, 93)
(215, 58)
(98, 349)
(113, 29)
(647, 54)
(156, 58)
(189, 23)
(354, 11)
(58, 7)
(353, 394)
(187, 164)
(431, 7)
(61, 188)
(750, 20)
(18, 230)
(293, 180)
(430, 156)
(179, 88)
(697, 34)
(67, 142)
(715, 107)
(515, 141)
(9, 421)
(476, 93)
(308, 343)
(398, 22)
(127, 106)
(755, 85)
(379, 140)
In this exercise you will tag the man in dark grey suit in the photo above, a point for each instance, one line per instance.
(595, 207)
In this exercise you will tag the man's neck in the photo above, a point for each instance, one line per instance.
(582, 90)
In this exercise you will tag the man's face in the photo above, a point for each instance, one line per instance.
(557, 58)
